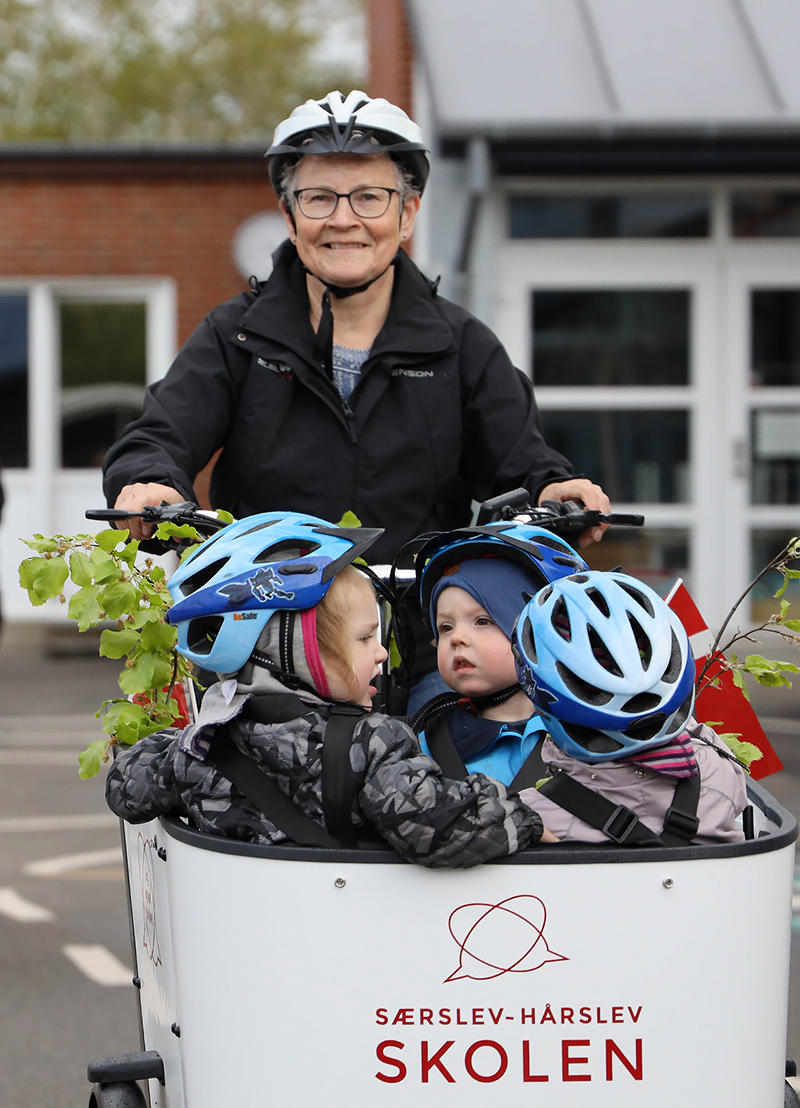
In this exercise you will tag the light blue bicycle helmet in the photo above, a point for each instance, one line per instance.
(544, 556)
(607, 664)
(224, 594)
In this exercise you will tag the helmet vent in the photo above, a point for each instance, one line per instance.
(644, 702)
(566, 560)
(602, 655)
(581, 578)
(544, 594)
(560, 620)
(202, 577)
(286, 551)
(640, 598)
(595, 742)
(682, 714)
(599, 601)
(644, 729)
(201, 633)
(553, 544)
(528, 642)
(260, 527)
(643, 644)
(673, 670)
(581, 689)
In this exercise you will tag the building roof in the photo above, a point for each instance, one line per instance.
(516, 68)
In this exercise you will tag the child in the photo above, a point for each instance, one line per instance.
(610, 671)
(473, 585)
(274, 603)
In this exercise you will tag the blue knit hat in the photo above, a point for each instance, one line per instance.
(502, 588)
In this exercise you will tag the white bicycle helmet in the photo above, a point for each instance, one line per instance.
(355, 124)
(607, 664)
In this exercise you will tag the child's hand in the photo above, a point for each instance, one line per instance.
(549, 837)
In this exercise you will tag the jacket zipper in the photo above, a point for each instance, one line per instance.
(350, 417)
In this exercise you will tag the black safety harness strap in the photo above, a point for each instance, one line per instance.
(338, 779)
(619, 823)
(443, 750)
(265, 793)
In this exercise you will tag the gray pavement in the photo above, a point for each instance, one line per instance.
(53, 1017)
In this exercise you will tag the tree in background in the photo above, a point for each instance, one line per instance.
(165, 71)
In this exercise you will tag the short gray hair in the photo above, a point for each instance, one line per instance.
(405, 181)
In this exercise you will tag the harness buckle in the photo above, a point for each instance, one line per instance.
(620, 823)
(684, 824)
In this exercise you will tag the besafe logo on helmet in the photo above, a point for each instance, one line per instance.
(264, 585)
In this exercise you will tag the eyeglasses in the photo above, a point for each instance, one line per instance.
(367, 202)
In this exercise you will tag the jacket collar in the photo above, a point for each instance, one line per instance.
(414, 324)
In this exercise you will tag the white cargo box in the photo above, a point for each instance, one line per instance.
(565, 976)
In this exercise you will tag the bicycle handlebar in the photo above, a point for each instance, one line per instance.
(183, 512)
(551, 514)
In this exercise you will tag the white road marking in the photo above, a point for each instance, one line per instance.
(50, 867)
(25, 911)
(58, 823)
(21, 757)
(99, 964)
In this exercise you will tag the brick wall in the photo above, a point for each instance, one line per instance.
(390, 53)
(129, 217)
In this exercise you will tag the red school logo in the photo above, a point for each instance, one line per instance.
(494, 939)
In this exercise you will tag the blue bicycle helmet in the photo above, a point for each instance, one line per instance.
(226, 591)
(544, 556)
(607, 664)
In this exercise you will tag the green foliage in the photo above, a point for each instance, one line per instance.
(112, 588)
(149, 71)
(766, 671)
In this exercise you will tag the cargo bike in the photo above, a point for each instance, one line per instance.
(563, 976)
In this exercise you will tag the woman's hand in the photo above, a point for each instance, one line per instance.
(549, 837)
(136, 497)
(584, 492)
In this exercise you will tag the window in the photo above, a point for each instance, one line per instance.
(775, 456)
(775, 337)
(657, 556)
(102, 376)
(638, 215)
(610, 337)
(764, 546)
(13, 379)
(759, 213)
(638, 457)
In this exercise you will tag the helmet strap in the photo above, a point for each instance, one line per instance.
(323, 346)
(477, 704)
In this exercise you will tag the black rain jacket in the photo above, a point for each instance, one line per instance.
(440, 416)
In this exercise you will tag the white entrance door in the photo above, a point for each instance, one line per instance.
(628, 346)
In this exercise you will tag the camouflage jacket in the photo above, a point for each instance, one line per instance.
(401, 792)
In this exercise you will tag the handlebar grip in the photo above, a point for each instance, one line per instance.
(490, 509)
(621, 519)
(110, 513)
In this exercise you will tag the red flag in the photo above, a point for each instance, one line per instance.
(725, 704)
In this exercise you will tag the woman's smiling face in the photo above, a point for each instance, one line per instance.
(346, 249)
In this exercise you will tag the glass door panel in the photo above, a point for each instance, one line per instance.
(587, 337)
(13, 380)
(637, 456)
(103, 371)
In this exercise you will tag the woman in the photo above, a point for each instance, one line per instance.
(343, 382)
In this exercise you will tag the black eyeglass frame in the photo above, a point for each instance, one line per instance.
(346, 196)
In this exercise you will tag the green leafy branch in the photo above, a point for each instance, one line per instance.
(765, 671)
(111, 587)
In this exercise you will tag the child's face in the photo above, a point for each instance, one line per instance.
(473, 654)
(367, 653)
